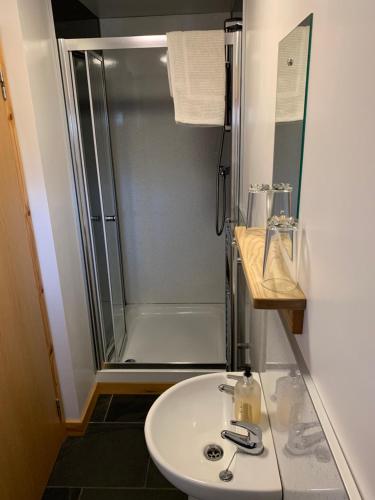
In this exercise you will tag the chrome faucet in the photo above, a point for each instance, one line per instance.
(246, 443)
(229, 389)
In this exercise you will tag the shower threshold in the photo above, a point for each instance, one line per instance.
(193, 334)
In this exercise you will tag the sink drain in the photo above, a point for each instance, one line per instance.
(213, 452)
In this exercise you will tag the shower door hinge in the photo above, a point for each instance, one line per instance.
(2, 85)
(58, 408)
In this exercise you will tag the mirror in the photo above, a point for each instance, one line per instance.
(291, 98)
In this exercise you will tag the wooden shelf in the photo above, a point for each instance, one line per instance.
(291, 305)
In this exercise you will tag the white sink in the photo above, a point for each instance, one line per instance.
(191, 415)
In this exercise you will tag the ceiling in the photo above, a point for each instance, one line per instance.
(70, 10)
(140, 8)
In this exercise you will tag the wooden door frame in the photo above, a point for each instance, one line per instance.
(31, 237)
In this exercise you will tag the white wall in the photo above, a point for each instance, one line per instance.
(30, 56)
(337, 201)
(160, 25)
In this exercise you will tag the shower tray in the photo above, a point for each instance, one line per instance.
(178, 333)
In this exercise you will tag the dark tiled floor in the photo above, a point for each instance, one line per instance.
(145, 494)
(108, 455)
(155, 479)
(101, 408)
(132, 408)
(111, 460)
(62, 494)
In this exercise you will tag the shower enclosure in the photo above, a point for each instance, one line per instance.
(159, 281)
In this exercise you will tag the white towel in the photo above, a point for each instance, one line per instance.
(169, 76)
(291, 78)
(196, 63)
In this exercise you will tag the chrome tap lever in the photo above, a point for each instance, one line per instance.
(251, 428)
(246, 443)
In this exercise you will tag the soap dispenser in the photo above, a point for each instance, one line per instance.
(247, 398)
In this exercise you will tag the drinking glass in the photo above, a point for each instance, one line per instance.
(280, 199)
(280, 254)
(257, 206)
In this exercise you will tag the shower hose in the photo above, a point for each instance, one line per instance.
(221, 179)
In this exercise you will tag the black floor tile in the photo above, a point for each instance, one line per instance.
(130, 408)
(108, 455)
(131, 494)
(101, 408)
(155, 479)
(61, 494)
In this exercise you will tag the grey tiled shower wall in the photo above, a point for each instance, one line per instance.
(165, 173)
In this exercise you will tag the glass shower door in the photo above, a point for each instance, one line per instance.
(101, 199)
(95, 67)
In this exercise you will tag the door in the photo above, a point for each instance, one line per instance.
(99, 186)
(95, 68)
(31, 430)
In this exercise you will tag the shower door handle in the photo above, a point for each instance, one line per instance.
(110, 218)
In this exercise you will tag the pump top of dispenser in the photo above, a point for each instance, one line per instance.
(247, 373)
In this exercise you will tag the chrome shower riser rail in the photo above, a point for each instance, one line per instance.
(235, 125)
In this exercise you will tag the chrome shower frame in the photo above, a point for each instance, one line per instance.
(66, 48)
(231, 255)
